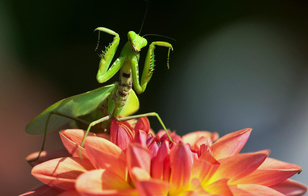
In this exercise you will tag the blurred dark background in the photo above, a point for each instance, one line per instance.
(235, 65)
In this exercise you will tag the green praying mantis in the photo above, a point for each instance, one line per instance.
(118, 101)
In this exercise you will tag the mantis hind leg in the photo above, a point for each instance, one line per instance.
(145, 115)
(46, 126)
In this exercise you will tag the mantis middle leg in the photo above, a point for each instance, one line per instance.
(89, 128)
(145, 115)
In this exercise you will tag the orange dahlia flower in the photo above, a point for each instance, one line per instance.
(136, 162)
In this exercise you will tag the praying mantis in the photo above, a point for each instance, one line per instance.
(115, 101)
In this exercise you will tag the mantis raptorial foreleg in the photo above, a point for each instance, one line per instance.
(148, 67)
(104, 74)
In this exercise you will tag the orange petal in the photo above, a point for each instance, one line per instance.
(45, 156)
(204, 169)
(266, 177)
(152, 187)
(181, 160)
(238, 166)
(61, 172)
(138, 156)
(161, 163)
(193, 193)
(254, 190)
(219, 187)
(43, 190)
(103, 135)
(290, 187)
(205, 153)
(104, 145)
(103, 182)
(271, 172)
(139, 174)
(147, 185)
(271, 163)
(105, 154)
(196, 188)
(194, 137)
(71, 139)
(69, 193)
(230, 144)
(121, 133)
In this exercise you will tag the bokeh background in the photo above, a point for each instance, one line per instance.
(235, 65)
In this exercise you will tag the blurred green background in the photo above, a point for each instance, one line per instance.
(235, 65)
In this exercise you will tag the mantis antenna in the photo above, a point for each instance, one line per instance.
(158, 35)
(145, 14)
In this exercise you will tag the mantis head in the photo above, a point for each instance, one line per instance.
(137, 41)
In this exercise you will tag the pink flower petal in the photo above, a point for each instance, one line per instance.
(141, 138)
(61, 172)
(121, 133)
(238, 166)
(194, 138)
(290, 188)
(104, 154)
(143, 124)
(103, 182)
(161, 163)
(43, 190)
(71, 139)
(45, 156)
(254, 190)
(230, 144)
(154, 147)
(181, 161)
(148, 186)
(138, 156)
(163, 136)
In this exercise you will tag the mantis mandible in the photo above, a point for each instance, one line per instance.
(117, 100)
